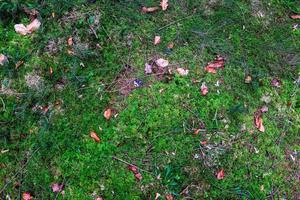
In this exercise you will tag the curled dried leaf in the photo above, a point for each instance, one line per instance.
(258, 121)
(157, 40)
(3, 59)
(30, 28)
(162, 62)
(295, 16)
(220, 174)
(149, 9)
(70, 41)
(218, 63)
(107, 114)
(169, 197)
(94, 135)
(204, 89)
(182, 71)
(164, 4)
(26, 196)
(56, 187)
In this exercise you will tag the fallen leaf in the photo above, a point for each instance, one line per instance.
(19, 64)
(264, 109)
(33, 26)
(133, 168)
(138, 176)
(157, 195)
(3, 59)
(107, 114)
(30, 28)
(164, 4)
(99, 198)
(94, 135)
(258, 121)
(248, 79)
(276, 82)
(21, 29)
(182, 71)
(57, 187)
(218, 63)
(295, 16)
(148, 68)
(162, 62)
(171, 45)
(169, 197)
(220, 174)
(50, 71)
(156, 40)
(149, 9)
(204, 89)
(70, 41)
(26, 196)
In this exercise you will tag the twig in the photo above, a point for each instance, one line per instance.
(93, 30)
(123, 161)
(170, 24)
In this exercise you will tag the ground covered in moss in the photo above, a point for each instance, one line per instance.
(164, 134)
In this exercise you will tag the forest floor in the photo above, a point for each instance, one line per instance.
(91, 108)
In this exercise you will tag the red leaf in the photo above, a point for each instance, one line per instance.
(95, 136)
(204, 89)
(220, 174)
(26, 196)
(219, 62)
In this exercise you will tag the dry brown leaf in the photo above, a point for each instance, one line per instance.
(33, 26)
(24, 30)
(149, 9)
(258, 121)
(169, 197)
(204, 89)
(156, 40)
(171, 45)
(3, 59)
(21, 29)
(26, 196)
(107, 114)
(295, 16)
(164, 4)
(19, 64)
(94, 135)
(220, 174)
(162, 62)
(182, 71)
(70, 41)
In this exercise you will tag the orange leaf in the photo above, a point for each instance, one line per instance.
(149, 9)
(156, 40)
(107, 114)
(220, 174)
(164, 4)
(95, 136)
(258, 121)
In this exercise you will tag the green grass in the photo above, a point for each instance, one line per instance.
(153, 129)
